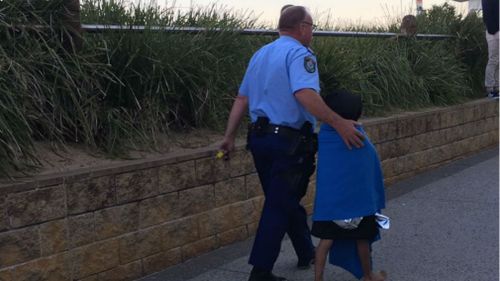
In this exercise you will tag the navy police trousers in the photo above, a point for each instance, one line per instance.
(284, 173)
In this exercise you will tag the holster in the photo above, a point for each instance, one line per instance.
(298, 174)
(302, 145)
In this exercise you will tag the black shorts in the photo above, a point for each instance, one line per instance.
(366, 230)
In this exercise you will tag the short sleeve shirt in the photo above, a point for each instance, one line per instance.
(275, 73)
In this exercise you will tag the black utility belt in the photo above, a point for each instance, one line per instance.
(279, 130)
(301, 141)
(262, 126)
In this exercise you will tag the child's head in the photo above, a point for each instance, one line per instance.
(345, 104)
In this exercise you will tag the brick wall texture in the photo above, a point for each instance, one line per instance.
(125, 221)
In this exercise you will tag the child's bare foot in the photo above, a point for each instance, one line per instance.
(376, 276)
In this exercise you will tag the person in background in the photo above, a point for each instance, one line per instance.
(409, 26)
(281, 90)
(490, 18)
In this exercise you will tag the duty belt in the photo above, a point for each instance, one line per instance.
(274, 129)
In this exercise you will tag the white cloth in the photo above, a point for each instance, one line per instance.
(491, 72)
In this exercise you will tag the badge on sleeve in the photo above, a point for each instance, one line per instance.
(309, 64)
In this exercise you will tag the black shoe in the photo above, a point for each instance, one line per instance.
(305, 264)
(264, 276)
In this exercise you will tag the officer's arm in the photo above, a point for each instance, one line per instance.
(238, 110)
(317, 107)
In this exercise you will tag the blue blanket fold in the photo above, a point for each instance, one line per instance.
(349, 184)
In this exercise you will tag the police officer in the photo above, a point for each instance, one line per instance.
(281, 90)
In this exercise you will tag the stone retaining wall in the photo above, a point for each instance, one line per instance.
(125, 221)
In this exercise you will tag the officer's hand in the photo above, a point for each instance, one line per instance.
(349, 134)
(226, 147)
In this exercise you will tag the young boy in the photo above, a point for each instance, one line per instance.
(349, 191)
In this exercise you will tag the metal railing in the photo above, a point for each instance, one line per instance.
(98, 28)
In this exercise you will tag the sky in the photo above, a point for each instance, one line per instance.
(341, 11)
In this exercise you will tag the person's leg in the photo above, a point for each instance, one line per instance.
(365, 259)
(270, 233)
(321, 252)
(299, 231)
(271, 227)
(278, 207)
(300, 236)
(491, 71)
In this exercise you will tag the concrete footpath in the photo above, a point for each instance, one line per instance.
(444, 227)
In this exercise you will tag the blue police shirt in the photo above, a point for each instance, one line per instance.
(275, 73)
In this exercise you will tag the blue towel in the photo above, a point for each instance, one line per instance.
(349, 184)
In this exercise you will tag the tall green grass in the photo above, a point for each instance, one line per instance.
(46, 93)
(124, 89)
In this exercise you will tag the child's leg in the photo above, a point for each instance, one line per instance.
(320, 259)
(364, 256)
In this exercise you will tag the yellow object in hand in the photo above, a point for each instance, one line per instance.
(220, 154)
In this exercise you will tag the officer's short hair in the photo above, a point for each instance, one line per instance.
(291, 17)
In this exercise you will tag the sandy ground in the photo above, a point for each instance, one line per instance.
(57, 158)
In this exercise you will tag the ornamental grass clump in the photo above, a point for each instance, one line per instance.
(46, 92)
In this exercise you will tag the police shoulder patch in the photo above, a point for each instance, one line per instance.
(309, 64)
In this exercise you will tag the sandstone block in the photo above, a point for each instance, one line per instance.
(115, 221)
(206, 224)
(54, 237)
(81, 230)
(238, 214)
(162, 260)
(159, 209)
(54, 268)
(196, 200)
(91, 259)
(199, 247)
(230, 191)
(241, 163)
(136, 185)
(233, 235)
(91, 194)
(209, 170)
(140, 244)
(492, 109)
(451, 117)
(36, 206)
(5, 275)
(387, 131)
(390, 167)
(433, 121)
(252, 228)
(253, 186)
(176, 177)
(408, 127)
(179, 232)
(257, 204)
(19, 246)
(91, 278)
(471, 113)
(3, 213)
(127, 272)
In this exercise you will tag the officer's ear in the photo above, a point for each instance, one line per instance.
(302, 29)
